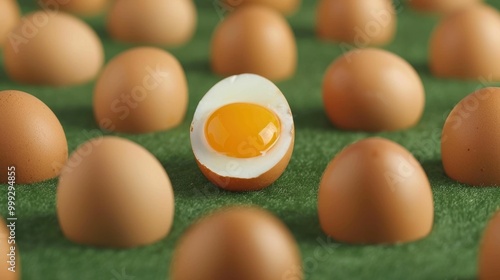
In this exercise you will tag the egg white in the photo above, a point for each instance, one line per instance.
(245, 88)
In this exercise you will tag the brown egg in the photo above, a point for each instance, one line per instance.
(466, 45)
(373, 192)
(9, 18)
(32, 140)
(141, 90)
(469, 143)
(265, 44)
(357, 22)
(53, 48)
(159, 22)
(114, 193)
(286, 7)
(489, 253)
(79, 7)
(242, 134)
(441, 6)
(372, 90)
(237, 243)
(9, 255)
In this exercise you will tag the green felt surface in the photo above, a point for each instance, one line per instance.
(461, 212)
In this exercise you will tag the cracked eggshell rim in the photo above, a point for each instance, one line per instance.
(247, 88)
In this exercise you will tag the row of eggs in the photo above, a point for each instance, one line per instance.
(144, 89)
(153, 27)
(250, 243)
(462, 46)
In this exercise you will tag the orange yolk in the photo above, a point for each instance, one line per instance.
(242, 130)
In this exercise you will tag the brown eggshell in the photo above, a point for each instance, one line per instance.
(357, 22)
(250, 184)
(79, 7)
(53, 48)
(466, 45)
(5, 249)
(374, 192)
(158, 22)
(141, 90)
(10, 16)
(372, 90)
(265, 45)
(489, 252)
(441, 6)
(114, 193)
(469, 143)
(237, 243)
(33, 140)
(286, 7)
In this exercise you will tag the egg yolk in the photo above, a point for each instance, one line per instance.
(242, 130)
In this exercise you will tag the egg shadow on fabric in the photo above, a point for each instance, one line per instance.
(304, 32)
(200, 65)
(189, 182)
(187, 179)
(304, 225)
(101, 31)
(3, 74)
(80, 116)
(49, 234)
(422, 67)
(313, 118)
(435, 172)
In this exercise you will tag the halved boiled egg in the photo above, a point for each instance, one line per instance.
(242, 133)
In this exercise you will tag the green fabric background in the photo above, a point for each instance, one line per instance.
(461, 212)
